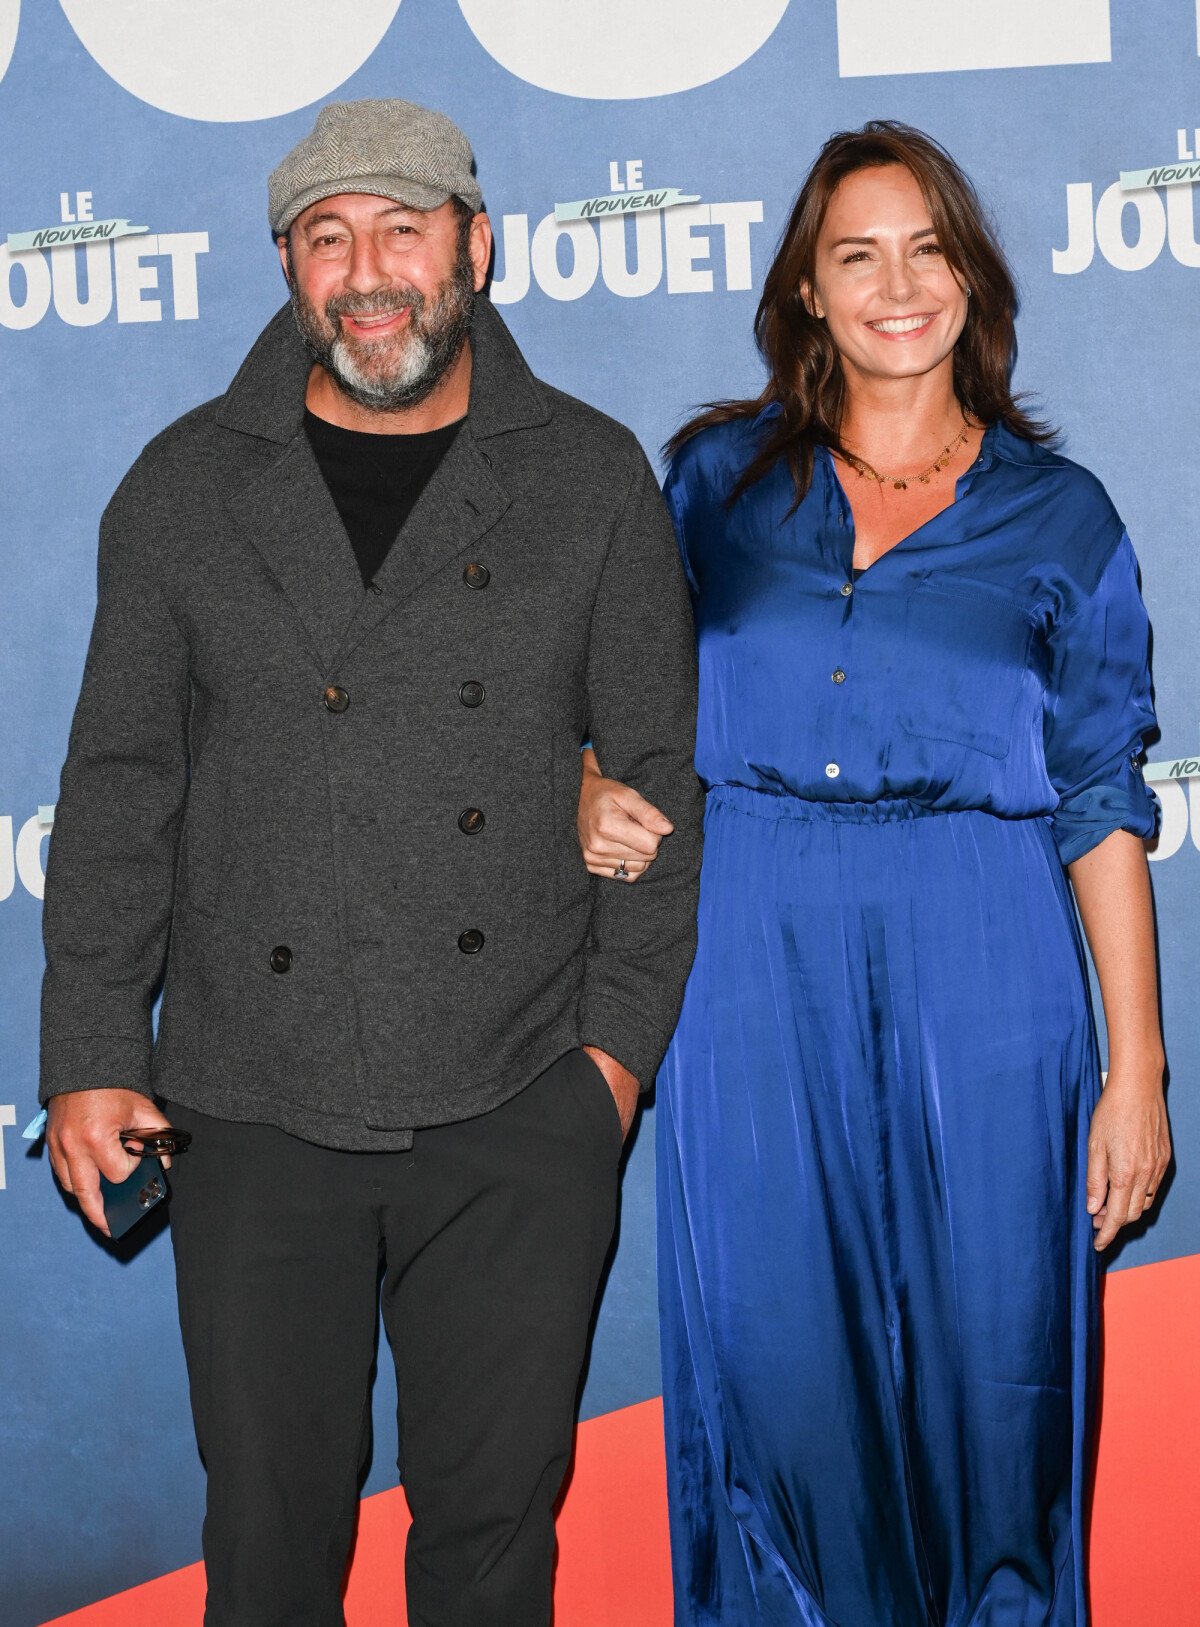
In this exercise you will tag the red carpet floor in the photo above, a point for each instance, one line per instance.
(613, 1567)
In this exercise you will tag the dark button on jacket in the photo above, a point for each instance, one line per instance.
(281, 958)
(471, 941)
(336, 699)
(471, 693)
(477, 576)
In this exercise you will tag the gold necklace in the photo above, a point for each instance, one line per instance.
(900, 482)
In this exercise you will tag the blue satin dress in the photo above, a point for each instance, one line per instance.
(878, 1286)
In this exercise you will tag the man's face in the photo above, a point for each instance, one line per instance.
(383, 294)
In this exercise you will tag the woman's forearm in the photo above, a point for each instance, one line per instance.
(1112, 888)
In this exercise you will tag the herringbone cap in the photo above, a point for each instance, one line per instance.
(391, 149)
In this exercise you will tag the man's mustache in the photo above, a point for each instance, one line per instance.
(384, 302)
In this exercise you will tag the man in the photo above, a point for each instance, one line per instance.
(355, 617)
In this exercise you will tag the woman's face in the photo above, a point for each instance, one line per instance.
(893, 306)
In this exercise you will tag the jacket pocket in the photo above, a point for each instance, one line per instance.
(598, 1095)
(966, 651)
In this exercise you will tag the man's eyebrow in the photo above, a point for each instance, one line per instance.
(332, 214)
(926, 231)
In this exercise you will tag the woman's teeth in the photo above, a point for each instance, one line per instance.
(901, 324)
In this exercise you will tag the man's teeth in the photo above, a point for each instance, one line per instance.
(900, 324)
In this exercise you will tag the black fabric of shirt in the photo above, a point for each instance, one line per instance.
(375, 480)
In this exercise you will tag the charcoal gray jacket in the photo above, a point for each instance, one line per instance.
(338, 826)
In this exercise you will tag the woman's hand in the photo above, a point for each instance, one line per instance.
(1129, 1148)
(619, 831)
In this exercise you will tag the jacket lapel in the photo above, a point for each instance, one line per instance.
(462, 501)
(466, 495)
(288, 516)
(285, 510)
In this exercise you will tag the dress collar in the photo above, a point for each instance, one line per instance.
(998, 442)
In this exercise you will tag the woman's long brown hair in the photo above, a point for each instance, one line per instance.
(805, 372)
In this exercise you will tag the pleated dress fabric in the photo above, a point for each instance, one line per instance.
(878, 1286)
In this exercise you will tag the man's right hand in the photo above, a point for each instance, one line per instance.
(83, 1136)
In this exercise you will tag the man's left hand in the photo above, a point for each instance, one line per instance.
(624, 1087)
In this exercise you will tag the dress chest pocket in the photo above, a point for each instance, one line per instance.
(966, 651)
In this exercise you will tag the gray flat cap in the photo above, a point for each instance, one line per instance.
(391, 149)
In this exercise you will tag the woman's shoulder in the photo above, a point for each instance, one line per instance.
(1054, 474)
(1068, 505)
(719, 452)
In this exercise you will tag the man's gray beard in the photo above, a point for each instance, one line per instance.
(427, 347)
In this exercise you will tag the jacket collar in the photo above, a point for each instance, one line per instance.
(266, 397)
(284, 511)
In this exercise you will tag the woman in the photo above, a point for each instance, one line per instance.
(923, 693)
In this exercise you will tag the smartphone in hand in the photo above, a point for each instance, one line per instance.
(128, 1201)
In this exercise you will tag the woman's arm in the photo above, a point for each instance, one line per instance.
(617, 827)
(1129, 1146)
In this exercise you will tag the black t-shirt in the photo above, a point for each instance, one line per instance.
(375, 480)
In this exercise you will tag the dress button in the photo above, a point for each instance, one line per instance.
(336, 700)
(471, 693)
(471, 941)
(470, 821)
(846, 589)
(477, 576)
(838, 676)
(832, 771)
(281, 958)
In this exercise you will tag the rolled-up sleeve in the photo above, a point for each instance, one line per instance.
(1098, 711)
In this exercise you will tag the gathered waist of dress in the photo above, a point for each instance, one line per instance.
(765, 804)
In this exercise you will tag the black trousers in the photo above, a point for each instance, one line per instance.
(491, 1235)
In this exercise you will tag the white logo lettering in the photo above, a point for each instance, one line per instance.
(8, 1118)
(945, 36)
(21, 859)
(1180, 811)
(10, 11)
(1177, 785)
(207, 61)
(82, 282)
(620, 49)
(1129, 228)
(565, 259)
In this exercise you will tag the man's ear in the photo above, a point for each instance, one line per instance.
(281, 243)
(479, 247)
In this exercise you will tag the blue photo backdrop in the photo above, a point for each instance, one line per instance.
(168, 115)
